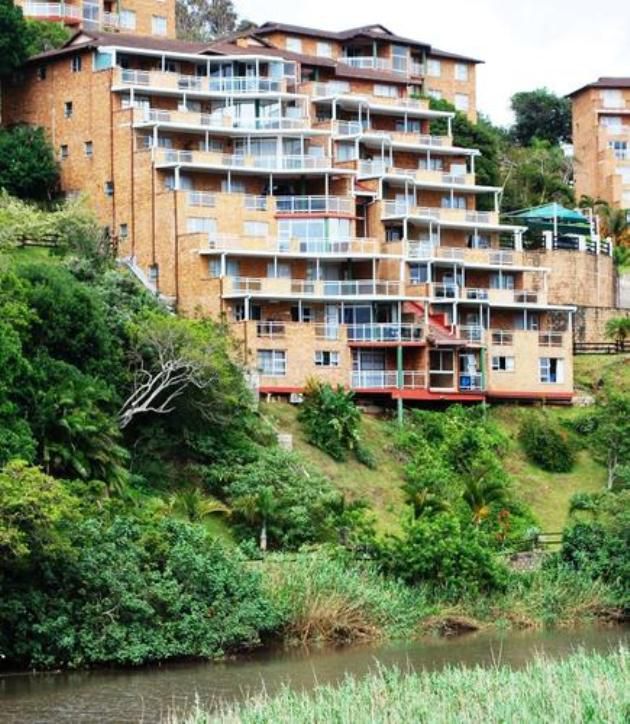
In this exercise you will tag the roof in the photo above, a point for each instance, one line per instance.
(87, 40)
(226, 48)
(605, 82)
(364, 31)
(550, 211)
(453, 56)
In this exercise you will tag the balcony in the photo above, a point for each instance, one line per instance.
(395, 64)
(272, 330)
(370, 169)
(428, 248)
(219, 120)
(398, 209)
(387, 379)
(314, 205)
(321, 91)
(316, 247)
(472, 333)
(199, 84)
(210, 159)
(50, 11)
(383, 333)
(502, 338)
(282, 287)
(550, 339)
(471, 382)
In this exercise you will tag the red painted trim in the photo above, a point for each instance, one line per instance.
(513, 395)
(429, 396)
(279, 390)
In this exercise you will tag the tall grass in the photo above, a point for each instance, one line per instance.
(325, 599)
(581, 688)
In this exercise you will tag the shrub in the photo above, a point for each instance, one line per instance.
(132, 591)
(546, 445)
(28, 168)
(331, 420)
(452, 557)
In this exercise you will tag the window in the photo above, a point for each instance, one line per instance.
(272, 362)
(109, 188)
(324, 50)
(307, 314)
(399, 58)
(75, 63)
(234, 187)
(613, 123)
(612, 99)
(128, 19)
(503, 364)
(461, 101)
(41, 72)
(158, 25)
(89, 149)
(418, 273)
(63, 152)
(280, 270)
(434, 68)
(385, 91)
(433, 93)
(431, 164)
(255, 228)
(325, 358)
(501, 281)
(200, 225)
(124, 231)
(411, 125)
(551, 370)
(294, 45)
(461, 71)
(67, 109)
(619, 149)
(455, 202)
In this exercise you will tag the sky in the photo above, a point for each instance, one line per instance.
(560, 44)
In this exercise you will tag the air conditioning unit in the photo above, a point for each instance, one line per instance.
(296, 398)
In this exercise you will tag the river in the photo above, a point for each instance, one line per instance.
(146, 695)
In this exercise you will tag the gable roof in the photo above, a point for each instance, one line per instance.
(605, 82)
(453, 56)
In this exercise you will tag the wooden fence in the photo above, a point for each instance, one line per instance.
(620, 347)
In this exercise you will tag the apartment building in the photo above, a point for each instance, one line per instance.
(142, 17)
(601, 138)
(318, 206)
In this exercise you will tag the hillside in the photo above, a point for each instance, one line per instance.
(548, 494)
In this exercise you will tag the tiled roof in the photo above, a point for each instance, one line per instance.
(454, 56)
(606, 82)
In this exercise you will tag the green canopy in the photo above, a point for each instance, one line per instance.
(549, 212)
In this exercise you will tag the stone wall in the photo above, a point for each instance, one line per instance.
(589, 324)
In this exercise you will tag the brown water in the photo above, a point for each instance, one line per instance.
(146, 695)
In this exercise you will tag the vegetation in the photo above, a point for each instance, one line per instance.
(332, 421)
(541, 115)
(586, 687)
(13, 39)
(28, 168)
(618, 328)
(43, 35)
(206, 20)
(546, 444)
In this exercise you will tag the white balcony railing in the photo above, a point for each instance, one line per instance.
(550, 339)
(271, 330)
(236, 85)
(470, 382)
(245, 84)
(264, 163)
(201, 198)
(51, 10)
(367, 61)
(347, 247)
(502, 338)
(387, 379)
(385, 332)
(472, 333)
(303, 287)
(252, 202)
(222, 119)
(313, 204)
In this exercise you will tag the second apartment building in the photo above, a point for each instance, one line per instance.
(319, 207)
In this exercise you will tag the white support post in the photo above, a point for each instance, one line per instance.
(163, 64)
(326, 185)
(246, 308)
(223, 265)
(472, 164)
(449, 122)
(176, 187)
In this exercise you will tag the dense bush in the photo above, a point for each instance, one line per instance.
(28, 167)
(332, 422)
(546, 444)
(452, 557)
(115, 588)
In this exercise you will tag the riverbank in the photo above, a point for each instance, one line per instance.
(582, 687)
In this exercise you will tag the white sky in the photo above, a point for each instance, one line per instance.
(561, 44)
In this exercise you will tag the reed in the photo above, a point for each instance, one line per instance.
(581, 688)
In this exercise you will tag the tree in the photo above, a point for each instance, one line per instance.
(28, 168)
(614, 223)
(618, 328)
(611, 437)
(195, 506)
(258, 509)
(43, 35)
(13, 38)
(480, 494)
(205, 20)
(542, 115)
(534, 175)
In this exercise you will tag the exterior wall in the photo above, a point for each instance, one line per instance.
(448, 86)
(78, 14)
(589, 323)
(597, 170)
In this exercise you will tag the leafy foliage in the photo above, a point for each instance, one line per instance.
(13, 41)
(545, 444)
(541, 115)
(28, 168)
(43, 35)
(207, 19)
(331, 421)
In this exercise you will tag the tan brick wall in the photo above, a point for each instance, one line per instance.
(449, 86)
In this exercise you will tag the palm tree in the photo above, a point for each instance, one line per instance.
(618, 328)
(425, 501)
(195, 506)
(614, 222)
(479, 494)
(257, 509)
